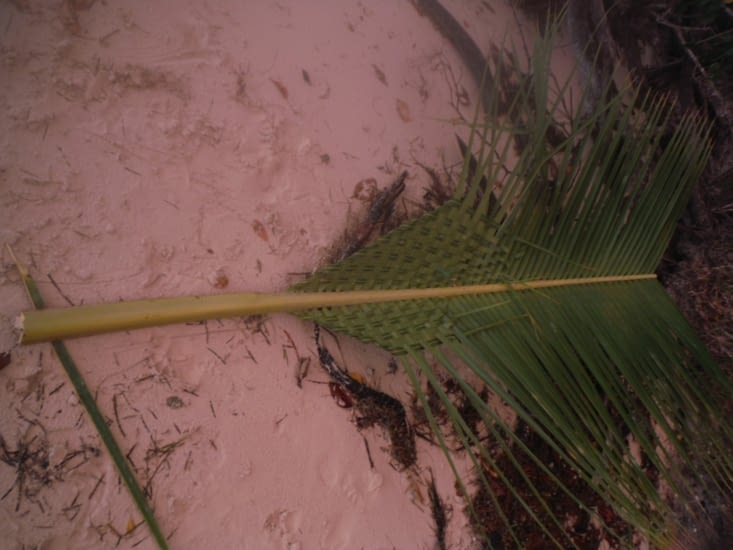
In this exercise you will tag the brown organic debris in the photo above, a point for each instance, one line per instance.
(374, 408)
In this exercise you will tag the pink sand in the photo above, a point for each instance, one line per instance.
(167, 148)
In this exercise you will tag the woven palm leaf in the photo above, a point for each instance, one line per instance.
(588, 363)
(570, 328)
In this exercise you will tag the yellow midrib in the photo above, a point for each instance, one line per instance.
(57, 324)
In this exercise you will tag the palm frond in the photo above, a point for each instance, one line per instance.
(573, 333)
(588, 367)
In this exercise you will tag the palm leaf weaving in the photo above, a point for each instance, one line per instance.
(566, 218)
(589, 364)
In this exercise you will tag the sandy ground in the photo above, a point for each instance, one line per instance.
(173, 148)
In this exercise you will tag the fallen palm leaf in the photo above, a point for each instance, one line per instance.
(547, 296)
(592, 369)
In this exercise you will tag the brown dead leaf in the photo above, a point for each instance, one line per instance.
(280, 88)
(404, 111)
(259, 228)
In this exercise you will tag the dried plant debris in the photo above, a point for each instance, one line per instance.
(579, 531)
(34, 470)
(494, 506)
(438, 192)
(377, 219)
(373, 408)
(421, 423)
(470, 415)
(257, 324)
(158, 457)
(302, 362)
(697, 269)
(438, 511)
(462, 404)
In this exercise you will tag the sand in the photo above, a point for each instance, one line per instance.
(175, 148)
